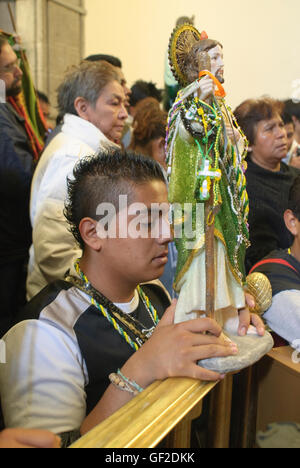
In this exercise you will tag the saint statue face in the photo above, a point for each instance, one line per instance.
(217, 63)
(206, 54)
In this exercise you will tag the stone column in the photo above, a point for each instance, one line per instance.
(52, 33)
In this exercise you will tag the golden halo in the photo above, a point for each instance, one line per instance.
(181, 41)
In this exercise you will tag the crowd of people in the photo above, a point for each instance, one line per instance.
(84, 315)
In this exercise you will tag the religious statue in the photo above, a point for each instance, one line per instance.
(206, 153)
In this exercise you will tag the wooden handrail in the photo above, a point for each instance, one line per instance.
(148, 418)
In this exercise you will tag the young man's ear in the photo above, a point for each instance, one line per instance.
(89, 233)
(82, 107)
(291, 222)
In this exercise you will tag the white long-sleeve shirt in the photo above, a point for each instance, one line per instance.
(53, 246)
(283, 317)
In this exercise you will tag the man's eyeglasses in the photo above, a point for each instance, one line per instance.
(11, 67)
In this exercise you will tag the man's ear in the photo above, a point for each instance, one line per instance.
(82, 106)
(291, 222)
(89, 234)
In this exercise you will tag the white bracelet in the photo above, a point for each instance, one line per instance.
(118, 382)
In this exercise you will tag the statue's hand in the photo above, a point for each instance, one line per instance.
(232, 133)
(246, 318)
(206, 89)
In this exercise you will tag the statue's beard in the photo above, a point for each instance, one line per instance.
(220, 78)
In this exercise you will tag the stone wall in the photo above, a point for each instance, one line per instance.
(5, 21)
(52, 33)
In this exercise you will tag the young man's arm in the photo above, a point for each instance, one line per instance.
(172, 351)
(28, 438)
(283, 317)
(43, 379)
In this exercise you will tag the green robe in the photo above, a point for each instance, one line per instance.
(231, 218)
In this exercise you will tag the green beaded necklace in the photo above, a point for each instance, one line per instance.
(115, 316)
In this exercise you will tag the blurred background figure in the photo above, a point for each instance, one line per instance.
(291, 119)
(268, 179)
(139, 91)
(149, 130)
(19, 152)
(45, 106)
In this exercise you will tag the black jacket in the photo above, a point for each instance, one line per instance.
(268, 194)
(16, 169)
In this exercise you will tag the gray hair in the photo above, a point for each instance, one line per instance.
(86, 80)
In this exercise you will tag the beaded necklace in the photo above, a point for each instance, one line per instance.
(124, 324)
(206, 124)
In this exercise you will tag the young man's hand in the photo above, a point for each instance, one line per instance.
(174, 350)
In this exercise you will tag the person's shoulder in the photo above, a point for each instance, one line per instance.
(273, 258)
(5, 111)
(277, 254)
(59, 303)
(8, 115)
(282, 270)
(294, 171)
(158, 292)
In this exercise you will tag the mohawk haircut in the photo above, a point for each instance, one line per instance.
(102, 178)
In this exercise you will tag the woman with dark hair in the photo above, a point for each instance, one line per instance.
(149, 130)
(268, 178)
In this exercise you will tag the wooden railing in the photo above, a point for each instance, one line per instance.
(149, 417)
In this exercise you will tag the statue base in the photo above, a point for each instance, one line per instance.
(252, 348)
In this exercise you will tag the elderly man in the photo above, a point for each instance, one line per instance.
(92, 100)
(16, 168)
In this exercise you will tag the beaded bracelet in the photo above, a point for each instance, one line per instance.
(122, 383)
(132, 383)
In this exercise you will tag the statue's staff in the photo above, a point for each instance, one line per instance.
(209, 211)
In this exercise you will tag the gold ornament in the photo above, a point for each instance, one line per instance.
(181, 42)
(260, 288)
